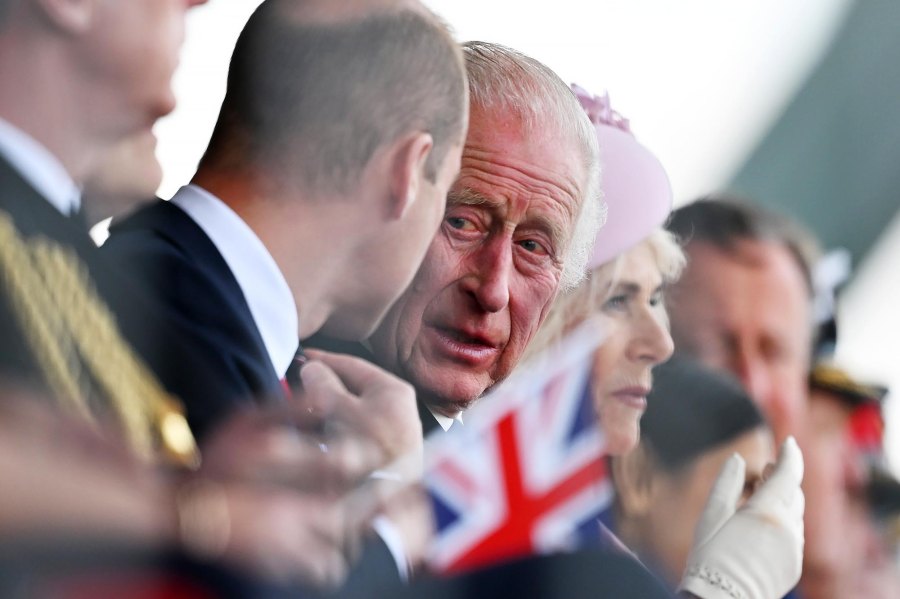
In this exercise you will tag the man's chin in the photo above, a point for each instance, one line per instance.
(450, 401)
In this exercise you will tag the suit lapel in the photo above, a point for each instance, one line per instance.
(222, 304)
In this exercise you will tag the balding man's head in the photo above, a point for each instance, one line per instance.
(335, 12)
(316, 87)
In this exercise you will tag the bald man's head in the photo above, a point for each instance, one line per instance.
(332, 12)
(315, 87)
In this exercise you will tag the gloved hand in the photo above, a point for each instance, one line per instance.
(755, 552)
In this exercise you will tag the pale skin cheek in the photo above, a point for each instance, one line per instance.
(620, 427)
(409, 313)
(527, 320)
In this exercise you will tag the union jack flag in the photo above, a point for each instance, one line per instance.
(527, 472)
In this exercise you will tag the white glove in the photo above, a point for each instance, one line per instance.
(755, 552)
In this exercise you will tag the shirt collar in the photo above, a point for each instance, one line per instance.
(262, 282)
(40, 168)
(446, 421)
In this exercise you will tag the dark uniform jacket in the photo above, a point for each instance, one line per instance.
(73, 327)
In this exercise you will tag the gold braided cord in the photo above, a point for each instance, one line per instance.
(39, 322)
(150, 417)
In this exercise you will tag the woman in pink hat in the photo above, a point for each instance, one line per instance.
(633, 260)
(756, 551)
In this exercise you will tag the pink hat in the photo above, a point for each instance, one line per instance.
(635, 186)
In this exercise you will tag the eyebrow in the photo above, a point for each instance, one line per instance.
(634, 288)
(469, 197)
(629, 288)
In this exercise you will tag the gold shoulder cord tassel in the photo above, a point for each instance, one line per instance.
(67, 324)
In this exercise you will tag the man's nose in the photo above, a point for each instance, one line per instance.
(489, 275)
(752, 373)
(757, 379)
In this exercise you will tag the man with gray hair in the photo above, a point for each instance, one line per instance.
(520, 220)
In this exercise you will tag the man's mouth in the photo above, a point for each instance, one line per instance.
(465, 346)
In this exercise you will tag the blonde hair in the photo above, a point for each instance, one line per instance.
(572, 308)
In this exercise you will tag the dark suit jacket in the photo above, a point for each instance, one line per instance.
(175, 258)
(31, 215)
(587, 573)
(180, 266)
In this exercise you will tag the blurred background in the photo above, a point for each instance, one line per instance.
(793, 104)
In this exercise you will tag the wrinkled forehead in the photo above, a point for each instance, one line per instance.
(505, 162)
(527, 139)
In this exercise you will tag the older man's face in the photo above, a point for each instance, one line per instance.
(494, 267)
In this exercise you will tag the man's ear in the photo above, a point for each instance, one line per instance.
(70, 16)
(408, 170)
(633, 477)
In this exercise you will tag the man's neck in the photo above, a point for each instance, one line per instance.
(306, 240)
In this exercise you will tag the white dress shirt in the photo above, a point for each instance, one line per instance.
(40, 168)
(264, 286)
(445, 421)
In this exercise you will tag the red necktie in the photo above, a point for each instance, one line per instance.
(292, 380)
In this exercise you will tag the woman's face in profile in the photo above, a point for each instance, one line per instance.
(638, 340)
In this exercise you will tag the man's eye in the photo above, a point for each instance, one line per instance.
(458, 222)
(657, 298)
(535, 247)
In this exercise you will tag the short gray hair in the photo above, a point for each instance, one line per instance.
(500, 77)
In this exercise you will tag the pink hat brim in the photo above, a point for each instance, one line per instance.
(636, 190)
